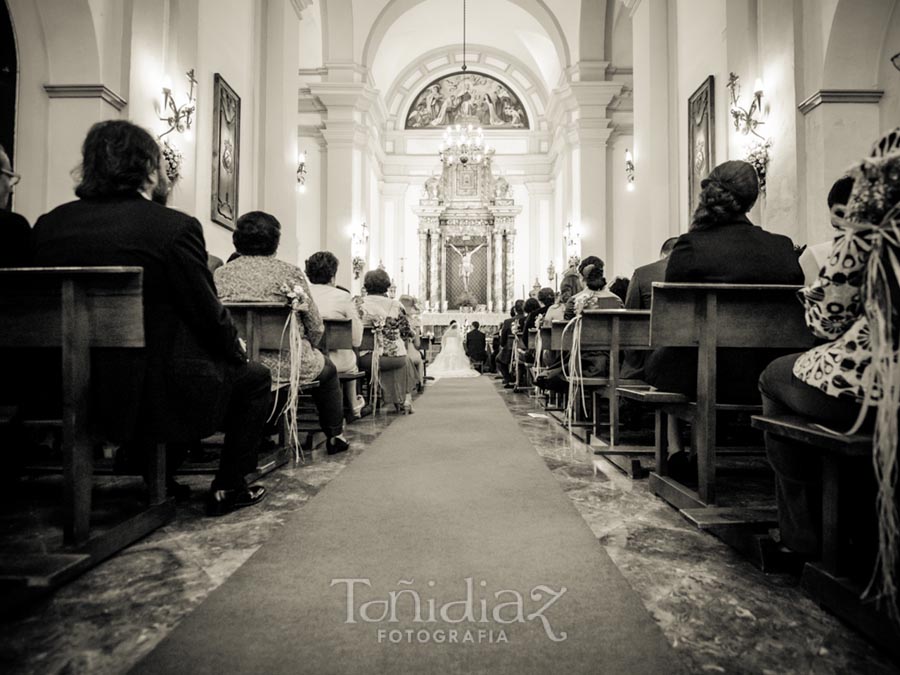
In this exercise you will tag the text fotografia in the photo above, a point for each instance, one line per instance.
(409, 606)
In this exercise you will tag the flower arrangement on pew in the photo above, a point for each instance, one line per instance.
(298, 301)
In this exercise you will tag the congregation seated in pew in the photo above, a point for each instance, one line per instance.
(397, 376)
(258, 276)
(335, 303)
(595, 295)
(849, 382)
(193, 377)
(722, 246)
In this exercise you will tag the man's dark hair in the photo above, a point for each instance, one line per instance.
(517, 308)
(546, 296)
(531, 304)
(667, 246)
(377, 282)
(117, 157)
(256, 233)
(321, 267)
(475, 325)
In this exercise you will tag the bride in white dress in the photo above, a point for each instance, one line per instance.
(452, 360)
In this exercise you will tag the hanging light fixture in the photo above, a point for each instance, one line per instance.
(464, 144)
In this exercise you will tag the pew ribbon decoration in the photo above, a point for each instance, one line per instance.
(293, 332)
(871, 217)
(378, 324)
(574, 373)
(538, 350)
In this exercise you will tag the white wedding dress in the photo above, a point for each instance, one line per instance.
(452, 360)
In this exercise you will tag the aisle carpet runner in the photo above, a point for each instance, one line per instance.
(446, 547)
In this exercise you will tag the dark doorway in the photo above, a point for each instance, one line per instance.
(9, 69)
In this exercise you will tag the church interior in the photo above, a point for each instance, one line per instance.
(458, 336)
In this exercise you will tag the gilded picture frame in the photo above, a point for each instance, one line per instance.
(701, 139)
(226, 153)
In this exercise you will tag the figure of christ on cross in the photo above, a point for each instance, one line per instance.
(465, 265)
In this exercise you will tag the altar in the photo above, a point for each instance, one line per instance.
(430, 319)
(467, 230)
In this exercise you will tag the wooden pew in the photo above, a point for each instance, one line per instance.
(613, 330)
(80, 310)
(829, 580)
(560, 340)
(706, 317)
(261, 325)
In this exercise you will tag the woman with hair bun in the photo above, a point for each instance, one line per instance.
(722, 246)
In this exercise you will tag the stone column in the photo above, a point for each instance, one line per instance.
(510, 271)
(499, 295)
(489, 278)
(443, 254)
(434, 267)
(423, 266)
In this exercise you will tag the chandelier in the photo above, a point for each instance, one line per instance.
(464, 144)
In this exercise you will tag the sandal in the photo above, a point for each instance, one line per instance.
(221, 502)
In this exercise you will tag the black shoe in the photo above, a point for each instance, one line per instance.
(683, 468)
(221, 502)
(336, 445)
(178, 491)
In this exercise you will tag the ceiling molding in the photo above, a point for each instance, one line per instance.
(840, 96)
(100, 91)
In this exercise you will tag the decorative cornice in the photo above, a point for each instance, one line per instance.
(86, 91)
(840, 96)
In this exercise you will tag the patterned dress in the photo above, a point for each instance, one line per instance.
(257, 278)
(836, 302)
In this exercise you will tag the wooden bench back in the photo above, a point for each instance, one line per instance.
(728, 315)
(624, 328)
(338, 335)
(261, 324)
(72, 307)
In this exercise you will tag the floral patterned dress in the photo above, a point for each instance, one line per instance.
(837, 303)
(254, 278)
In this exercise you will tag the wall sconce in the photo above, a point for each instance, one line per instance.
(745, 121)
(301, 172)
(179, 117)
(629, 170)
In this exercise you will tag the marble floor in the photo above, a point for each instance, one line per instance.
(719, 612)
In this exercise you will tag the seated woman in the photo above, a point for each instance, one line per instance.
(595, 296)
(412, 347)
(722, 246)
(397, 374)
(832, 383)
(335, 303)
(258, 276)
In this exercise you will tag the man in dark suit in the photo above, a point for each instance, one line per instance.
(193, 377)
(639, 296)
(15, 233)
(476, 345)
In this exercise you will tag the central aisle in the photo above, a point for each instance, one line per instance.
(454, 492)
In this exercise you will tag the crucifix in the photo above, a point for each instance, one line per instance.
(465, 265)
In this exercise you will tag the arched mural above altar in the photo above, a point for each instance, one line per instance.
(467, 98)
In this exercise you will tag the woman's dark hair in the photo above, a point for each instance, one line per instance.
(321, 267)
(728, 192)
(376, 282)
(591, 269)
(117, 157)
(569, 286)
(257, 233)
(840, 192)
(619, 286)
(531, 304)
(517, 308)
(452, 323)
(546, 296)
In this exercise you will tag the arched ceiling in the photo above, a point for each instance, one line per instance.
(396, 38)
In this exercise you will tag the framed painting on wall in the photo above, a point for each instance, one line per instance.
(701, 139)
(226, 153)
